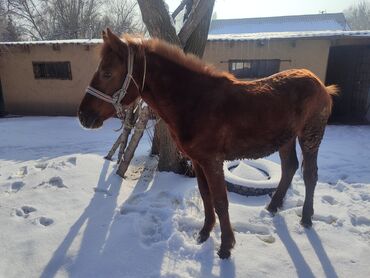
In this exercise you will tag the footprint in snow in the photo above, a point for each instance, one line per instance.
(41, 165)
(262, 232)
(24, 211)
(359, 220)
(16, 186)
(54, 181)
(329, 200)
(44, 221)
(72, 160)
(153, 228)
(154, 223)
(365, 196)
(328, 219)
(69, 162)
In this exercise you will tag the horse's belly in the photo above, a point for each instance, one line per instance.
(257, 147)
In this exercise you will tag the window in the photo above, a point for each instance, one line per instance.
(52, 70)
(254, 68)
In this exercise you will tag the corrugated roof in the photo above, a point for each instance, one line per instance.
(289, 35)
(315, 22)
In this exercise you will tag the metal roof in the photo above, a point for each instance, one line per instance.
(290, 35)
(314, 22)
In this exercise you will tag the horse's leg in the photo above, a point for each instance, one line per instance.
(289, 165)
(310, 141)
(216, 182)
(209, 212)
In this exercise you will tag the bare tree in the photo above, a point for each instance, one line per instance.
(192, 38)
(72, 19)
(30, 13)
(9, 31)
(122, 16)
(358, 16)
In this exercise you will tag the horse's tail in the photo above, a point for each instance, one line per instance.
(332, 90)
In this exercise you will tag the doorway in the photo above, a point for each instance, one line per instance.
(349, 68)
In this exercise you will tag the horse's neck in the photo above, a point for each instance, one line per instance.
(165, 91)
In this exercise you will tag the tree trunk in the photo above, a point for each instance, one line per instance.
(197, 41)
(194, 32)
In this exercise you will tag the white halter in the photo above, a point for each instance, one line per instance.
(117, 97)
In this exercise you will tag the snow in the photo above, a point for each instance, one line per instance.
(267, 27)
(313, 22)
(64, 212)
(288, 35)
(75, 41)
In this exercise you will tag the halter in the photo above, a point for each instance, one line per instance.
(117, 97)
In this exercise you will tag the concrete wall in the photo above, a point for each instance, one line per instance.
(25, 95)
(310, 54)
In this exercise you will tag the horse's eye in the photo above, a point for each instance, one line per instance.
(107, 74)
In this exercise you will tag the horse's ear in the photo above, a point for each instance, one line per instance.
(115, 43)
(104, 36)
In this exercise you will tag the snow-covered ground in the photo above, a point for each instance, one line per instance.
(64, 212)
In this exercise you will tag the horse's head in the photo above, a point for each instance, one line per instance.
(113, 86)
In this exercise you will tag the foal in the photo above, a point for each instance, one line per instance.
(213, 117)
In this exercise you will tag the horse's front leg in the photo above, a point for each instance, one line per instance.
(216, 182)
(209, 212)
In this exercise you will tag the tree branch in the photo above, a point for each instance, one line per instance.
(195, 17)
(179, 8)
(158, 21)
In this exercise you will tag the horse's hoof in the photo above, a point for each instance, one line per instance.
(307, 223)
(202, 237)
(224, 254)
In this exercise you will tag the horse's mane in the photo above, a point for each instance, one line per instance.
(176, 54)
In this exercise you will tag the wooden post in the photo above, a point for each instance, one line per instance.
(138, 133)
(122, 139)
(131, 123)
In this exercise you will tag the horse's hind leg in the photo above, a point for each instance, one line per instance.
(209, 212)
(289, 165)
(310, 142)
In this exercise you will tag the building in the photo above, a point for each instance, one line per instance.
(337, 57)
(46, 77)
(49, 77)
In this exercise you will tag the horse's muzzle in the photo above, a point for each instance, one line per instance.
(89, 120)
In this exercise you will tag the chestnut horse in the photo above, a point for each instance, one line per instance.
(213, 117)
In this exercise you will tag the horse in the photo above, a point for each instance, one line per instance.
(213, 117)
